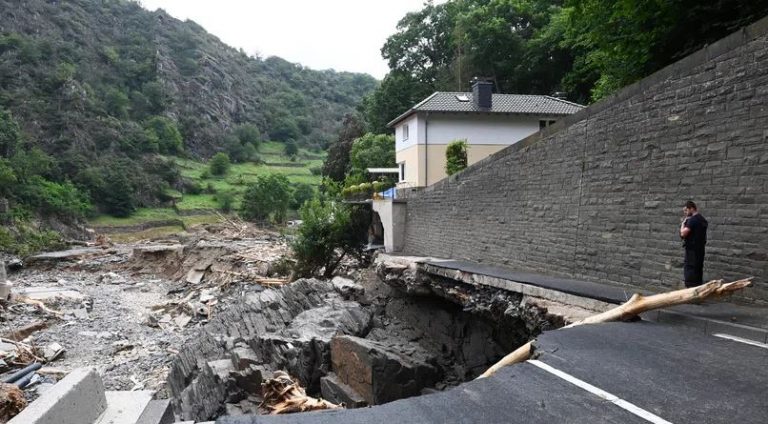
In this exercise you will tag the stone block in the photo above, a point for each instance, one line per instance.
(380, 373)
(333, 390)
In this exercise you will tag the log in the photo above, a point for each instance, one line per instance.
(635, 306)
(23, 332)
(283, 396)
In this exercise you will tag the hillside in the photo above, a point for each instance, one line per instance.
(100, 93)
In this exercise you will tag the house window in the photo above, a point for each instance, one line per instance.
(543, 124)
(402, 171)
(405, 132)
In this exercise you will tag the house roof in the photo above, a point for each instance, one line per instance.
(523, 104)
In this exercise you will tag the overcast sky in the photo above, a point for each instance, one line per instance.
(345, 35)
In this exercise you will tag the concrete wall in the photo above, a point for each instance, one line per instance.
(392, 214)
(598, 195)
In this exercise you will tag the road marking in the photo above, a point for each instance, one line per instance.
(621, 403)
(741, 340)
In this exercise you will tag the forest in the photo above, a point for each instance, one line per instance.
(583, 49)
(98, 98)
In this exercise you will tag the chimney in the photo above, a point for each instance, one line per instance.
(482, 93)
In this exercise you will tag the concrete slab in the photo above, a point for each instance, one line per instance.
(125, 407)
(46, 293)
(79, 398)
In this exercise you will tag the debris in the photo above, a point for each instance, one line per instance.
(111, 278)
(182, 320)
(12, 401)
(18, 375)
(53, 351)
(283, 396)
(56, 373)
(24, 332)
(5, 290)
(40, 305)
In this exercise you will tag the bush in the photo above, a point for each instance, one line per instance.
(225, 200)
(330, 231)
(268, 197)
(248, 134)
(291, 148)
(302, 192)
(191, 187)
(455, 156)
(219, 164)
(316, 170)
(166, 133)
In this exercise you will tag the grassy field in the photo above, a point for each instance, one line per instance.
(197, 209)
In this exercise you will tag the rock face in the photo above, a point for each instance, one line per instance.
(381, 373)
(287, 329)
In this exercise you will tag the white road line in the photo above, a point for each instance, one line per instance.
(621, 403)
(741, 340)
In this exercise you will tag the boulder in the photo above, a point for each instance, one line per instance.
(333, 390)
(381, 372)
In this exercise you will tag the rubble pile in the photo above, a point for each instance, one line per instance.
(124, 309)
(353, 343)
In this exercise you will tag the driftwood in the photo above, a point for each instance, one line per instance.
(283, 396)
(40, 305)
(23, 332)
(636, 305)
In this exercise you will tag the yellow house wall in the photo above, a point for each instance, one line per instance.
(434, 168)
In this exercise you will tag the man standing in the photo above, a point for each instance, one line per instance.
(693, 231)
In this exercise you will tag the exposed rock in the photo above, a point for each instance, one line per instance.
(380, 373)
(337, 392)
(401, 273)
(348, 289)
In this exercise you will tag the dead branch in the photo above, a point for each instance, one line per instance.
(283, 396)
(40, 305)
(635, 306)
(23, 332)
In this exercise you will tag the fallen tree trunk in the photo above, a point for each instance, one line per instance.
(283, 396)
(635, 306)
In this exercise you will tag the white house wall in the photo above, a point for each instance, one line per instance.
(480, 129)
(414, 133)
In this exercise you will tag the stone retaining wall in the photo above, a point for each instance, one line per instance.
(598, 196)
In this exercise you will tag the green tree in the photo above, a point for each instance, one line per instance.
(248, 134)
(219, 164)
(455, 156)
(7, 178)
(330, 231)
(290, 148)
(302, 192)
(372, 151)
(166, 133)
(10, 134)
(117, 102)
(267, 197)
(117, 197)
(336, 162)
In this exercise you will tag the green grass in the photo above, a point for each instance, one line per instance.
(140, 216)
(236, 180)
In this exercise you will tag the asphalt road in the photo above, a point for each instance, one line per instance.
(630, 373)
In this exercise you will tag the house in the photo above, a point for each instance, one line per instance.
(488, 122)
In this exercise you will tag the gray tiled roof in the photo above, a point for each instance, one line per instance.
(529, 104)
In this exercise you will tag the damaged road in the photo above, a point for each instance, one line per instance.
(669, 374)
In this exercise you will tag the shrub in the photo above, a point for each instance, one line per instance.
(290, 148)
(302, 192)
(166, 133)
(268, 197)
(329, 232)
(225, 200)
(455, 156)
(219, 164)
(191, 187)
(316, 170)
